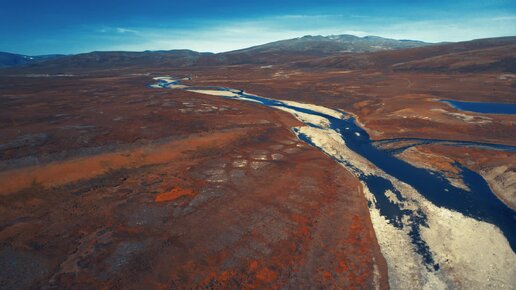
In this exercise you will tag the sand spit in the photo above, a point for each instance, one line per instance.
(311, 119)
(316, 108)
(215, 93)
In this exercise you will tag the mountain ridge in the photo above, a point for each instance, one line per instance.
(8, 59)
(317, 45)
(333, 43)
(305, 52)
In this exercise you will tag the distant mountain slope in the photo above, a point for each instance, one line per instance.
(341, 51)
(311, 46)
(500, 58)
(11, 59)
(117, 59)
(331, 44)
(489, 53)
(271, 53)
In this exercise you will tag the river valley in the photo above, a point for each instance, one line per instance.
(431, 232)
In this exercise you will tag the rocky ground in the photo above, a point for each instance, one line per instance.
(109, 184)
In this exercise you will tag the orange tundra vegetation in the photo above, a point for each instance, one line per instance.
(173, 194)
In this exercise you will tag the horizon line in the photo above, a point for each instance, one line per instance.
(247, 47)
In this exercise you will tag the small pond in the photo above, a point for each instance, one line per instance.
(482, 107)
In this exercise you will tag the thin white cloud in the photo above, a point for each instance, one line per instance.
(125, 30)
(119, 30)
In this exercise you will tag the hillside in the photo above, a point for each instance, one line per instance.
(12, 59)
(311, 52)
(489, 53)
(320, 45)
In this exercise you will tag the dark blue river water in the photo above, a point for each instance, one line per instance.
(481, 107)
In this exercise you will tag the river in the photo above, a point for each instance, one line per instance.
(391, 181)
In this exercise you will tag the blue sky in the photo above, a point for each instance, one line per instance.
(72, 26)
